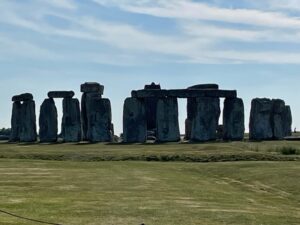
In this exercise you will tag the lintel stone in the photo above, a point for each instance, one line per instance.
(61, 94)
(92, 87)
(22, 97)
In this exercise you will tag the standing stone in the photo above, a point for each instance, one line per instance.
(151, 106)
(260, 126)
(167, 120)
(28, 122)
(277, 119)
(86, 107)
(233, 119)
(15, 122)
(206, 118)
(48, 121)
(71, 123)
(134, 121)
(191, 107)
(99, 120)
(288, 120)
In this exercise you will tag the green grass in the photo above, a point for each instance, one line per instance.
(208, 152)
(154, 193)
(109, 184)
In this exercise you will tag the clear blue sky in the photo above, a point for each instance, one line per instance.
(249, 45)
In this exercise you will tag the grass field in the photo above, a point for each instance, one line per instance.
(77, 184)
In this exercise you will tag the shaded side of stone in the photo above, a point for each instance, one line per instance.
(71, 122)
(90, 87)
(15, 122)
(48, 121)
(277, 119)
(86, 109)
(205, 121)
(61, 94)
(151, 106)
(28, 131)
(260, 126)
(22, 97)
(233, 119)
(134, 121)
(288, 120)
(167, 120)
(99, 120)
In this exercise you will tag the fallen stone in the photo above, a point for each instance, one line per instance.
(233, 119)
(15, 122)
(89, 87)
(48, 121)
(71, 123)
(134, 121)
(260, 126)
(61, 94)
(22, 97)
(205, 121)
(99, 120)
(28, 122)
(167, 120)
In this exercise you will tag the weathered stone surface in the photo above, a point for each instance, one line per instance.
(191, 109)
(260, 126)
(134, 121)
(204, 86)
(167, 120)
(151, 106)
(86, 110)
(184, 93)
(48, 121)
(288, 120)
(99, 120)
(89, 87)
(22, 97)
(15, 122)
(28, 122)
(233, 119)
(205, 121)
(188, 129)
(61, 94)
(71, 123)
(277, 119)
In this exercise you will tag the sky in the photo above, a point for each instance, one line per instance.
(251, 46)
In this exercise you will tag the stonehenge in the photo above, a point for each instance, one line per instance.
(23, 120)
(149, 114)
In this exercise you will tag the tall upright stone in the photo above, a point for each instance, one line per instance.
(288, 120)
(191, 107)
(260, 126)
(28, 131)
(206, 119)
(151, 106)
(134, 121)
(99, 120)
(48, 121)
(90, 90)
(277, 119)
(167, 120)
(15, 122)
(71, 122)
(233, 119)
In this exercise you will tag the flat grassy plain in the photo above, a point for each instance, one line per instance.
(109, 184)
